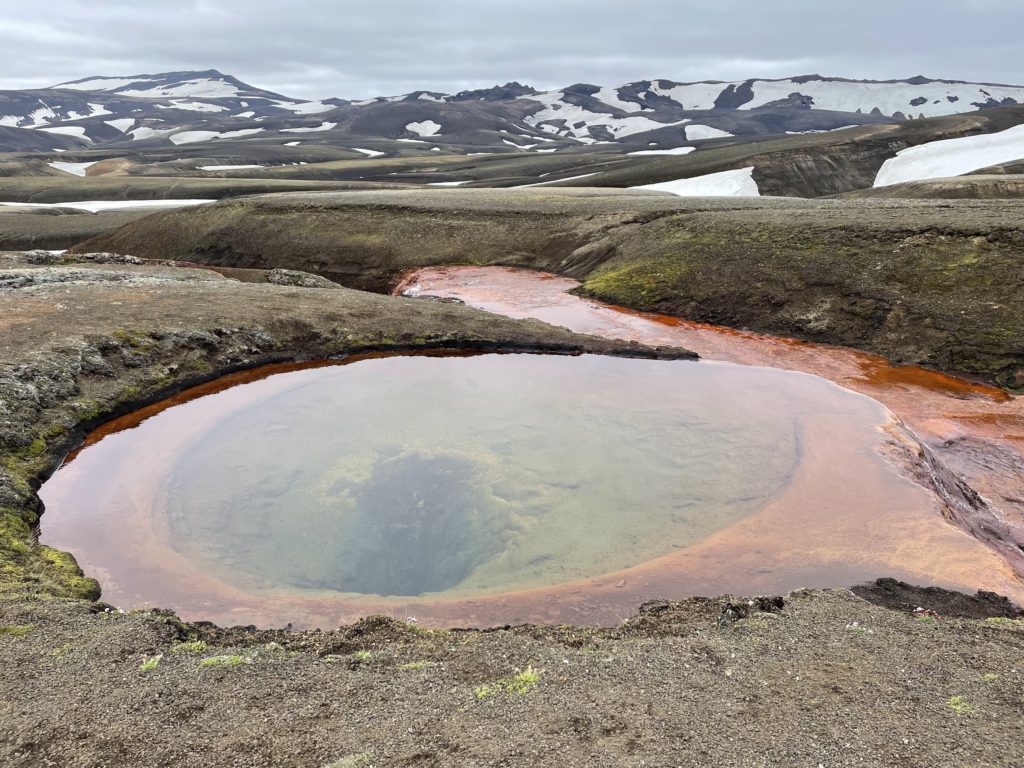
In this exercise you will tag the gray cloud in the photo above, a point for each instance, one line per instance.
(359, 48)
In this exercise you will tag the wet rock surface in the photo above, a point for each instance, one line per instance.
(935, 601)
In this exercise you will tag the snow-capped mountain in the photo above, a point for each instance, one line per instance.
(189, 107)
(210, 84)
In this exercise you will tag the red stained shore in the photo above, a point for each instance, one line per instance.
(933, 404)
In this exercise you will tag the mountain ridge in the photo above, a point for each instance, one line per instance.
(190, 106)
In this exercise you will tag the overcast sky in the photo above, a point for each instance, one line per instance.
(359, 48)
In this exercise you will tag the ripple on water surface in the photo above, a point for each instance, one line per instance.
(480, 489)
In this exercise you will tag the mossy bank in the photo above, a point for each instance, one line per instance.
(926, 282)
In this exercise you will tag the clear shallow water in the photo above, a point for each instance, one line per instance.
(414, 475)
(480, 489)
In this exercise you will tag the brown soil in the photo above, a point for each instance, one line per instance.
(828, 679)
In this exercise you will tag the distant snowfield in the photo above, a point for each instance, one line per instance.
(104, 83)
(68, 130)
(675, 151)
(424, 128)
(952, 157)
(143, 132)
(322, 127)
(610, 96)
(368, 152)
(76, 169)
(934, 99)
(306, 107)
(94, 206)
(448, 183)
(193, 137)
(121, 124)
(693, 96)
(203, 88)
(737, 183)
(193, 106)
(700, 132)
(227, 167)
(556, 181)
(557, 109)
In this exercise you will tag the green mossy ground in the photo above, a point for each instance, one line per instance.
(945, 300)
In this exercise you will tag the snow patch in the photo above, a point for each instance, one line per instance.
(94, 206)
(322, 127)
(104, 83)
(75, 169)
(610, 96)
(242, 132)
(227, 167)
(194, 137)
(122, 124)
(952, 157)
(691, 96)
(68, 130)
(143, 132)
(306, 107)
(424, 128)
(675, 151)
(737, 183)
(368, 152)
(556, 181)
(193, 106)
(448, 183)
(699, 132)
(203, 88)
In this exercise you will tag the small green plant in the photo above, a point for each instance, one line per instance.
(192, 646)
(1002, 621)
(148, 665)
(62, 651)
(990, 677)
(365, 760)
(959, 706)
(232, 660)
(362, 655)
(16, 630)
(518, 684)
(925, 619)
(418, 665)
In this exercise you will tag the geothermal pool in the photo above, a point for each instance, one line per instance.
(476, 489)
(485, 489)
